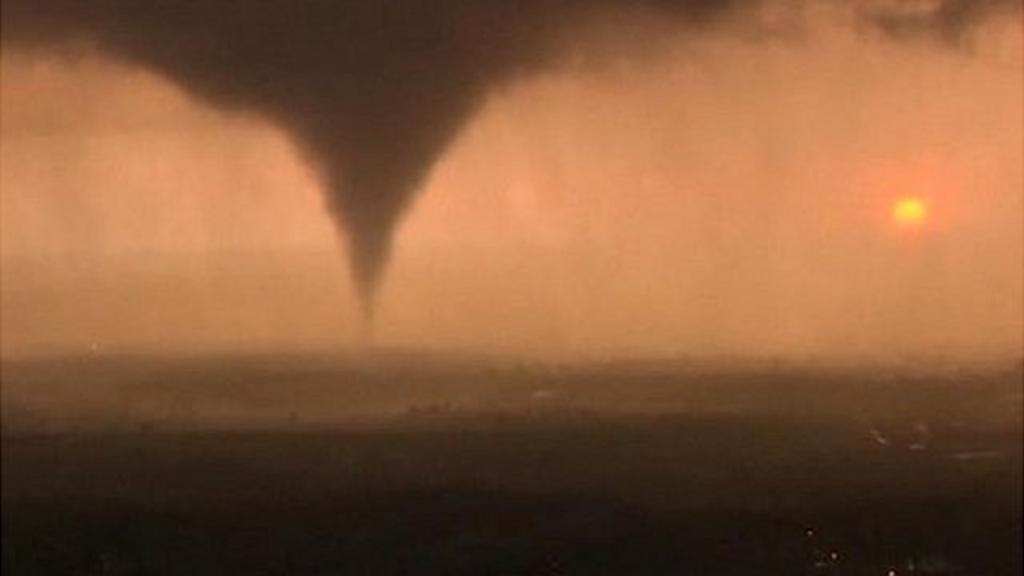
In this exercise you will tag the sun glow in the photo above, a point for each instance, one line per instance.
(909, 211)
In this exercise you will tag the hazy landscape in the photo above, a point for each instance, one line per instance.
(511, 287)
(411, 463)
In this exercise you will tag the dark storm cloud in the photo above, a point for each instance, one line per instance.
(374, 90)
(948, 20)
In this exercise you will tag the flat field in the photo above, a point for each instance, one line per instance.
(404, 463)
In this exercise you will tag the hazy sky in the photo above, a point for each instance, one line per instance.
(727, 196)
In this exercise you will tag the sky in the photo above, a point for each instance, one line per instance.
(725, 196)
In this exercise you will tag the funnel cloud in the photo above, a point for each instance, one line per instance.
(374, 91)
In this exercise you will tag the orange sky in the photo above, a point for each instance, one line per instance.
(727, 197)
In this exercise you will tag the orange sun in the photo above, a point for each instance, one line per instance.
(909, 211)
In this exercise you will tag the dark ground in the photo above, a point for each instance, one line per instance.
(406, 464)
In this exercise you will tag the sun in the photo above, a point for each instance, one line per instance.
(909, 211)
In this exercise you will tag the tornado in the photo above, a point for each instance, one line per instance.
(374, 91)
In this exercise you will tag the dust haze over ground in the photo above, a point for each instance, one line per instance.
(406, 463)
(648, 309)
